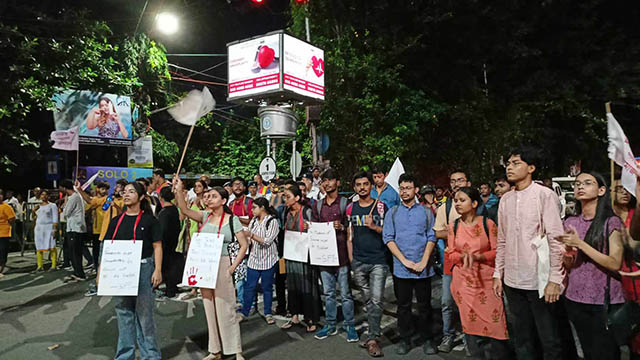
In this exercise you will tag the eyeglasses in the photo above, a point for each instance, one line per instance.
(577, 184)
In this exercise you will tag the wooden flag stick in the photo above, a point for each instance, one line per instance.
(184, 151)
(607, 107)
(377, 198)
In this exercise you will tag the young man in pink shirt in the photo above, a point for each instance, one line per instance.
(524, 214)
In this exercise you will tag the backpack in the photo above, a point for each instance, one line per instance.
(343, 206)
(431, 219)
(234, 249)
(484, 225)
(447, 207)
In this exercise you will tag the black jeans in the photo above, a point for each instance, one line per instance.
(589, 320)
(486, 348)
(96, 250)
(404, 290)
(75, 250)
(85, 250)
(4, 250)
(281, 296)
(532, 319)
(172, 269)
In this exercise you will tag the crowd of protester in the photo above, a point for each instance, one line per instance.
(518, 280)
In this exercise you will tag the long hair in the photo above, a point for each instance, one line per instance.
(264, 203)
(473, 194)
(595, 235)
(145, 202)
(223, 194)
(295, 190)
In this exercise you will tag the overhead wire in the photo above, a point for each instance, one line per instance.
(197, 72)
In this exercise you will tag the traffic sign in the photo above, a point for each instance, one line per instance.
(295, 164)
(52, 170)
(267, 169)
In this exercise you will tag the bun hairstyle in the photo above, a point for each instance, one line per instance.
(264, 203)
(223, 194)
(472, 193)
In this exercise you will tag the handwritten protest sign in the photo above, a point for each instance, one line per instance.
(120, 268)
(296, 246)
(323, 246)
(203, 260)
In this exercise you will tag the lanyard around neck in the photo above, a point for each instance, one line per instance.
(135, 226)
(207, 220)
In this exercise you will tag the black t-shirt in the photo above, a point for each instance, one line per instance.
(148, 231)
(368, 246)
(169, 219)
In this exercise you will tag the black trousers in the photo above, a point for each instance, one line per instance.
(404, 290)
(281, 286)
(96, 250)
(4, 250)
(589, 320)
(532, 319)
(486, 348)
(172, 269)
(75, 247)
(66, 251)
(87, 238)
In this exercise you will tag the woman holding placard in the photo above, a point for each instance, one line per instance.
(135, 313)
(302, 277)
(263, 230)
(219, 304)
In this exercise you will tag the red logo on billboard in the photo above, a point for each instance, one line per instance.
(266, 56)
(318, 66)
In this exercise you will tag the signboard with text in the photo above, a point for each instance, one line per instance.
(111, 174)
(303, 66)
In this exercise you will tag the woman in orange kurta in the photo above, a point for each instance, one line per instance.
(472, 251)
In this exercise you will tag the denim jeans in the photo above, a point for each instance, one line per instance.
(329, 279)
(135, 319)
(371, 279)
(240, 290)
(448, 307)
(251, 284)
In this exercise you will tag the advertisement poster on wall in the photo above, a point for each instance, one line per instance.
(102, 118)
(254, 66)
(303, 68)
(140, 155)
(111, 174)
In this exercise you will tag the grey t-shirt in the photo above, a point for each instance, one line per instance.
(226, 230)
(74, 214)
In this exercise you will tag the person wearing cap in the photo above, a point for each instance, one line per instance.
(427, 198)
(227, 186)
(253, 190)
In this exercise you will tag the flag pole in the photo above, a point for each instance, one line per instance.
(607, 107)
(184, 151)
(77, 163)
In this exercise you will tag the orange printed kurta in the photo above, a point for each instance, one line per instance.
(481, 312)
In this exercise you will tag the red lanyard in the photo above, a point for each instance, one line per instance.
(207, 220)
(301, 224)
(135, 226)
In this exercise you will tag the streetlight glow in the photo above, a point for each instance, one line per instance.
(167, 23)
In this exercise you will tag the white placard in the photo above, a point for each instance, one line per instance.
(140, 155)
(120, 268)
(296, 246)
(323, 245)
(203, 260)
(254, 66)
(303, 68)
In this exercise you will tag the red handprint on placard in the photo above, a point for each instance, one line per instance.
(191, 279)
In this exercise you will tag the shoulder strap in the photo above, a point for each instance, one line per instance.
(455, 227)
(233, 233)
(343, 205)
(319, 207)
(485, 226)
(447, 207)
(394, 210)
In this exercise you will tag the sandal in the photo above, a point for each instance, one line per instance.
(269, 319)
(311, 328)
(289, 324)
(212, 356)
(373, 348)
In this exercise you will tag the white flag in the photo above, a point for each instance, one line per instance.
(394, 174)
(65, 139)
(192, 107)
(620, 152)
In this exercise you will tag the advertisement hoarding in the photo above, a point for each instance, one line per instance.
(102, 119)
(254, 66)
(303, 66)
(111, 174)
(140, 155)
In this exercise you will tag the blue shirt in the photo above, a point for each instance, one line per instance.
(411, 231)
(389, 196)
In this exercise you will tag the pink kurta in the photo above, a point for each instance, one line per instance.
(481, 312)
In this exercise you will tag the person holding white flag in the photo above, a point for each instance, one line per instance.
(620, 152)
(386, 184)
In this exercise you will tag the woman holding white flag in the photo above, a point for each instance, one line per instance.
(219, 304)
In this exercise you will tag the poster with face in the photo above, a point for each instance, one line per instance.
(102, 118)
(254, 66)
(303, 68)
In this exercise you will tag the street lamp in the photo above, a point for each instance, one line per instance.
(167, 23)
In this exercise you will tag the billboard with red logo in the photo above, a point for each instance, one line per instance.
(275, 66)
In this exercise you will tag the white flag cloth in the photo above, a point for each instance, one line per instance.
(620, 152)
(65, 139)
(192, 107)
(394, 174)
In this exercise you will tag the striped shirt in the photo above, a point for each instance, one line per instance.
(264, 255)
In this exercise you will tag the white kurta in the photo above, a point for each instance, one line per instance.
(47, 215)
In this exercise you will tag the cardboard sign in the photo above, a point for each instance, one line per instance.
(203, 260)
(323, 245)
(296, 246)
(120, 268)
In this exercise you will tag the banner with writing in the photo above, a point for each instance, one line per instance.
(323, 245)
(203, 260)
(120, 268)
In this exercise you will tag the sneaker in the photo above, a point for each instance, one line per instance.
(91, 292)
(161, 298)
(446, 345)
(325, 332)
(428, 348)
(403, 347)
(352, 334)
